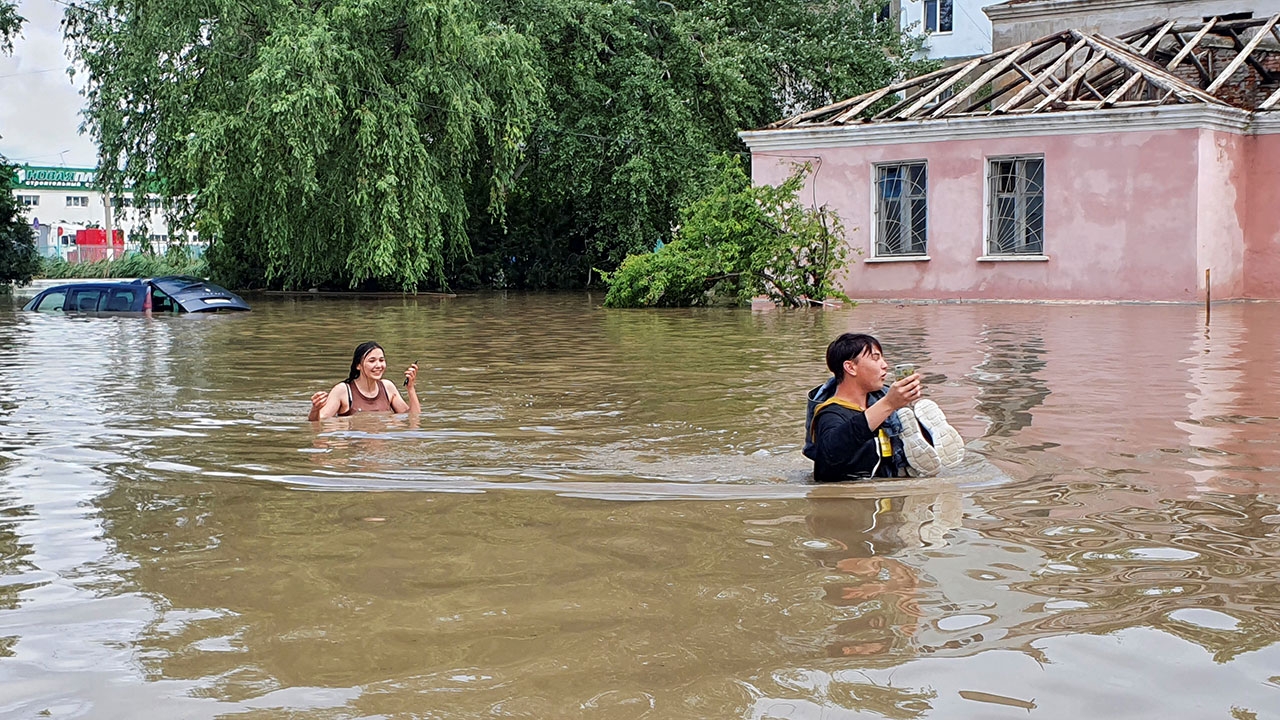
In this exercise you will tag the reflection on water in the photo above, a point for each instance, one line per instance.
(606, 514)
(1010, 378)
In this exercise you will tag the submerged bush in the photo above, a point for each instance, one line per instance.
(736, 242)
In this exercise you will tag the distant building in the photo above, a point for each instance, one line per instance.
(953, 28)
(1018, 21)
(61, 200)
(1075, 166)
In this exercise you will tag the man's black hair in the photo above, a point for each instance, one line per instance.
(848, 346)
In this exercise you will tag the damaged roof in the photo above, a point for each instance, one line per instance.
(1227, 63)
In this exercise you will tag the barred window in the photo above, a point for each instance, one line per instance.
(901, 212)
(1016, 206)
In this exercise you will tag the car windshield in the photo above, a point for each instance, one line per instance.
(52, 301)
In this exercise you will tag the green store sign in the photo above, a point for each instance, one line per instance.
(30, 176)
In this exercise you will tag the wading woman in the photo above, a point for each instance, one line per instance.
(365, 390)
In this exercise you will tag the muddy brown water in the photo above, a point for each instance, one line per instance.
(605, 514)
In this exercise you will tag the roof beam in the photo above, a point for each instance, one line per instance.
(1154, 73)
(992, 73)
(1070, 81)
(1190, 47)
(1253, 63)
(1241, 24)
(943, 86)
(1242, 56)
(1038, 82)
(1270, 102)
(868, 100)
(797, 119)
(1205, 77)
(1154, 42)
(1119, 92)
(1134, 34)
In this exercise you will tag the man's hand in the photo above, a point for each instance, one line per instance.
(904, 392)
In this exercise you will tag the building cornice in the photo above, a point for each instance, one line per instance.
(1083, 122)
(1266, 123)
(1005, 12)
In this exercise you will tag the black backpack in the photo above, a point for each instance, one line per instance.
(817, 396)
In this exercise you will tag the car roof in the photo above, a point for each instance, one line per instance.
(95, 285)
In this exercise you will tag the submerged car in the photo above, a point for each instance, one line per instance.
(172, 293)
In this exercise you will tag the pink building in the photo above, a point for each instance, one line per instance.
(1074, 167)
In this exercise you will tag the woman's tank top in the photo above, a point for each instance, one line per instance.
(357, 402)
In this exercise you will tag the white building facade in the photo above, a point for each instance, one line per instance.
(61, 200)
(954, 28)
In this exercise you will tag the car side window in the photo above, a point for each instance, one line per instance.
(83, 300)
(52, 302)
(160, 302)
(121, 300)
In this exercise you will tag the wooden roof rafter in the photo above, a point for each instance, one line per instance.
(1244, 54)
(1230, 35)
(1072, 70)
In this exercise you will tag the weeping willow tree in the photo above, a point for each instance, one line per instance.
(642, 95)
(313, 143)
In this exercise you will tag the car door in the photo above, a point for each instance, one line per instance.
(84, 299)
(124, 299)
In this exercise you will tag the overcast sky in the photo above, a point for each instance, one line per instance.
(39, 105)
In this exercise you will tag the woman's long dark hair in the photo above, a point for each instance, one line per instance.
(361, 350)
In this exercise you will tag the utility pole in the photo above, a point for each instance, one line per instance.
(111, 238)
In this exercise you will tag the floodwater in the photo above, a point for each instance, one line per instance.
(605, 514)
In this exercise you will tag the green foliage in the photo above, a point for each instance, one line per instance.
(326, 142)
(642, 94)
(10, 25)
(18, 258)
(391, 142)
(132, 265)
(737, 242)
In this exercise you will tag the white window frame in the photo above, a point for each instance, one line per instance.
(988, 211)
(78, 201)
(29, 200)
(876, 223)
(934, 7)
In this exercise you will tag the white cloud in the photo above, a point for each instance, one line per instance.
(39, 104)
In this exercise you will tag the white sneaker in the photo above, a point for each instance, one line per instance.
(946, 441)
(921, 456)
